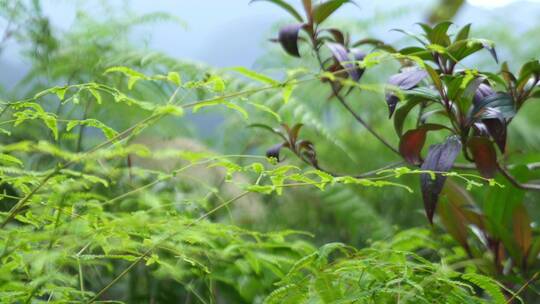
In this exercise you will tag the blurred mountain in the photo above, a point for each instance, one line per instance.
(233, 33)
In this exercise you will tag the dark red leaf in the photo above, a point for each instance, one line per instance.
(411, 145)
(455, 211)
(292, 133)
(288, 38)
(484, 154)
(308, 8)
(307, 152)
(338, 35)
(412, 142)
(522, 230)
(440, 158)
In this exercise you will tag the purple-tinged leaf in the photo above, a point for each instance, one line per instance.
(288, 38)
(499, 105)
(489, 46)
(358, 56)
(405, 81)
(497, 129)
(440, 158)
(341, 55)
(392, 101)
(482, 92)
(286, 6)
(484, 155)
(273, 152)
(408, 79)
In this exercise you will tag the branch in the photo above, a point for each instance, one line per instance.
(515, 182)
(363, 123)
(353, 113)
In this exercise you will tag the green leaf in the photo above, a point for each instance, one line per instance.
(60, 92)
(255, 76)
(109, 132)
(267, 110)
(287, 91)
(490, 286)
(170, 109)
(10, 160)
(325, 9)
(434, 75)
(126, 71)
(174, 77)
(463, 33)
(402, 113)
(529, 69)
(218, 85)
(464, 48)
(50, 122)
(96, 94)
(438, 35)
(239, 109)
(230, 105)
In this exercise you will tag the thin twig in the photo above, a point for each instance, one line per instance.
(522, 288)
(515, 182)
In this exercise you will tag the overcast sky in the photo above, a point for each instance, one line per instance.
(233, 32)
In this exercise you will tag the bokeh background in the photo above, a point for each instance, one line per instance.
(233, 32)
(66, 42)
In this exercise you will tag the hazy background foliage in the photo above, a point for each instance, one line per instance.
(71, 42)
